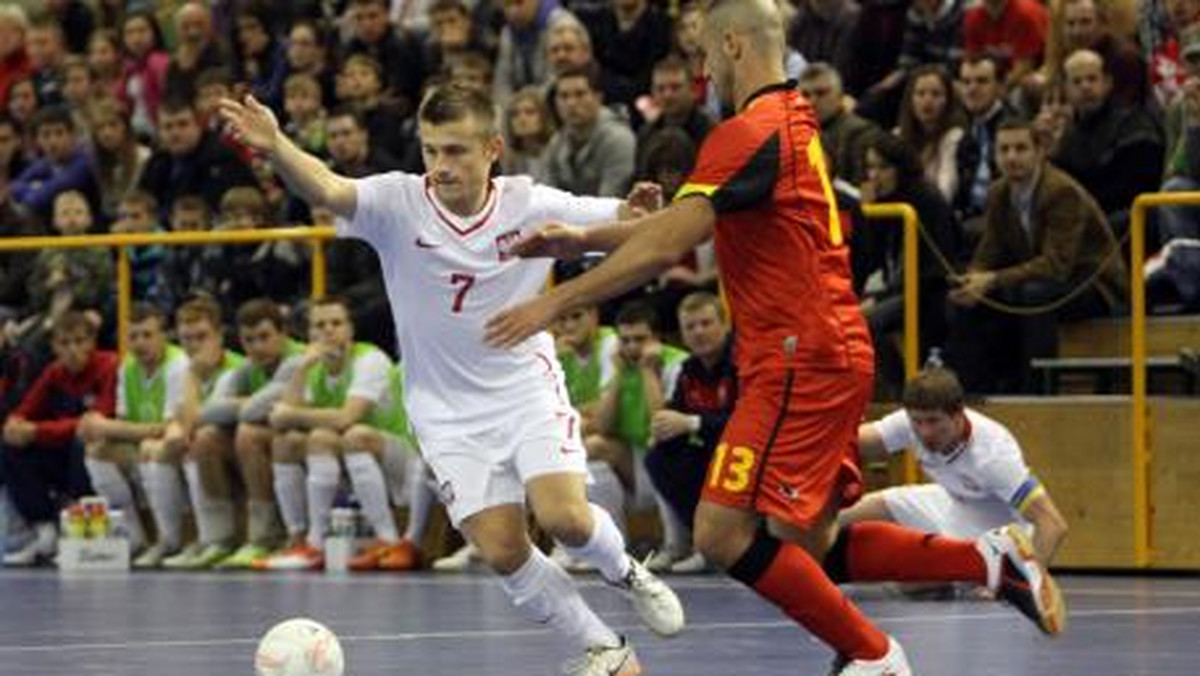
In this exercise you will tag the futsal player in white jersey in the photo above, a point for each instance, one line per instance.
(980, 479)
(495, 425)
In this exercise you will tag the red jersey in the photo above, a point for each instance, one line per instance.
(781, 250)
(1018, 33)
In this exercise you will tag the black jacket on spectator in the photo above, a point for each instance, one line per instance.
(628, 57)
(678, 466)
(180, 83)
(831, 40)
(936, 41)
(399, 56)
(208, 171)
(15, 266)
(77, 23)
(1115, 152)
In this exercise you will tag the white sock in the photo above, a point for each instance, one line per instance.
(46, 537)
(676, 537)
(605, 549)
(421, 498)
(606, 490)
(214, 518)
(164, 488)
(112, 485)
(261, 522)
(323, 476)
(371, 489)
(195, 490)
(289, 491)
(544, 593)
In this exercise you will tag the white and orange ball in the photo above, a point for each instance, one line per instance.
(299, 647)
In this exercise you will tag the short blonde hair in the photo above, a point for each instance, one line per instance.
(245, 199)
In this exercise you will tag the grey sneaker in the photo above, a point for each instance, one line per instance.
(183, 560)
(605, 661)
(653, 600)
(152, 557)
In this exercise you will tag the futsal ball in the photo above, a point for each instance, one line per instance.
(299, 647)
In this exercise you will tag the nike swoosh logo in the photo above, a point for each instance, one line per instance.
(422, 244)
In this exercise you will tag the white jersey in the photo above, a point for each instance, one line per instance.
(446, 275)
(988, 466)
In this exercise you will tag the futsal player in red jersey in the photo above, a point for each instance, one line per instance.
(803, 352)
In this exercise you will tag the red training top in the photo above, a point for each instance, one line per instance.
(59, 398)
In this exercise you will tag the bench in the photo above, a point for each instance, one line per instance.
(1106, 373)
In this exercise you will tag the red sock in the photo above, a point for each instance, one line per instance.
(794, 582)
(884, 552)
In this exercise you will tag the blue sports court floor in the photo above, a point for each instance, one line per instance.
(461, 625)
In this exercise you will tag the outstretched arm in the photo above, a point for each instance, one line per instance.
(658, 241)
(305, 175)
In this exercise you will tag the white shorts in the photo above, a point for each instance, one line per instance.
(491, 467)
(929, 508)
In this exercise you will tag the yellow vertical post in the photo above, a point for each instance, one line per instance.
(124, 297)
(912, 307)
(912, 314)
(319, 282)
(1137, 321)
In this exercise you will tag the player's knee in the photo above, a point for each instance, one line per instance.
(505, 554)
(720, 541)
(206, 441)
(322, 441)
(250, 440)
(150, 450)
(571, 525)
(361, 438)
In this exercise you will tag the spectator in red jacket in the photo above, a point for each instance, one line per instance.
(42, 459)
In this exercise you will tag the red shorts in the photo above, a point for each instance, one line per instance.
(791, 445)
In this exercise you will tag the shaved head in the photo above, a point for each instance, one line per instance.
(760, 17)
(743, 47)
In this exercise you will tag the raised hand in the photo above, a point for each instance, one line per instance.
(251, 123)
(554, 240)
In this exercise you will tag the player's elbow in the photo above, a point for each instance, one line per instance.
(339, 196)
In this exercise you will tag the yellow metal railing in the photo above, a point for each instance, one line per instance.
(912, 309)
(1142, 458)
(122, 241)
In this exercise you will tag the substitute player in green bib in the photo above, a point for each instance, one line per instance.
(150, 389)
(233, 434)
(200, 330)
(344, 404)
(644, 374)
